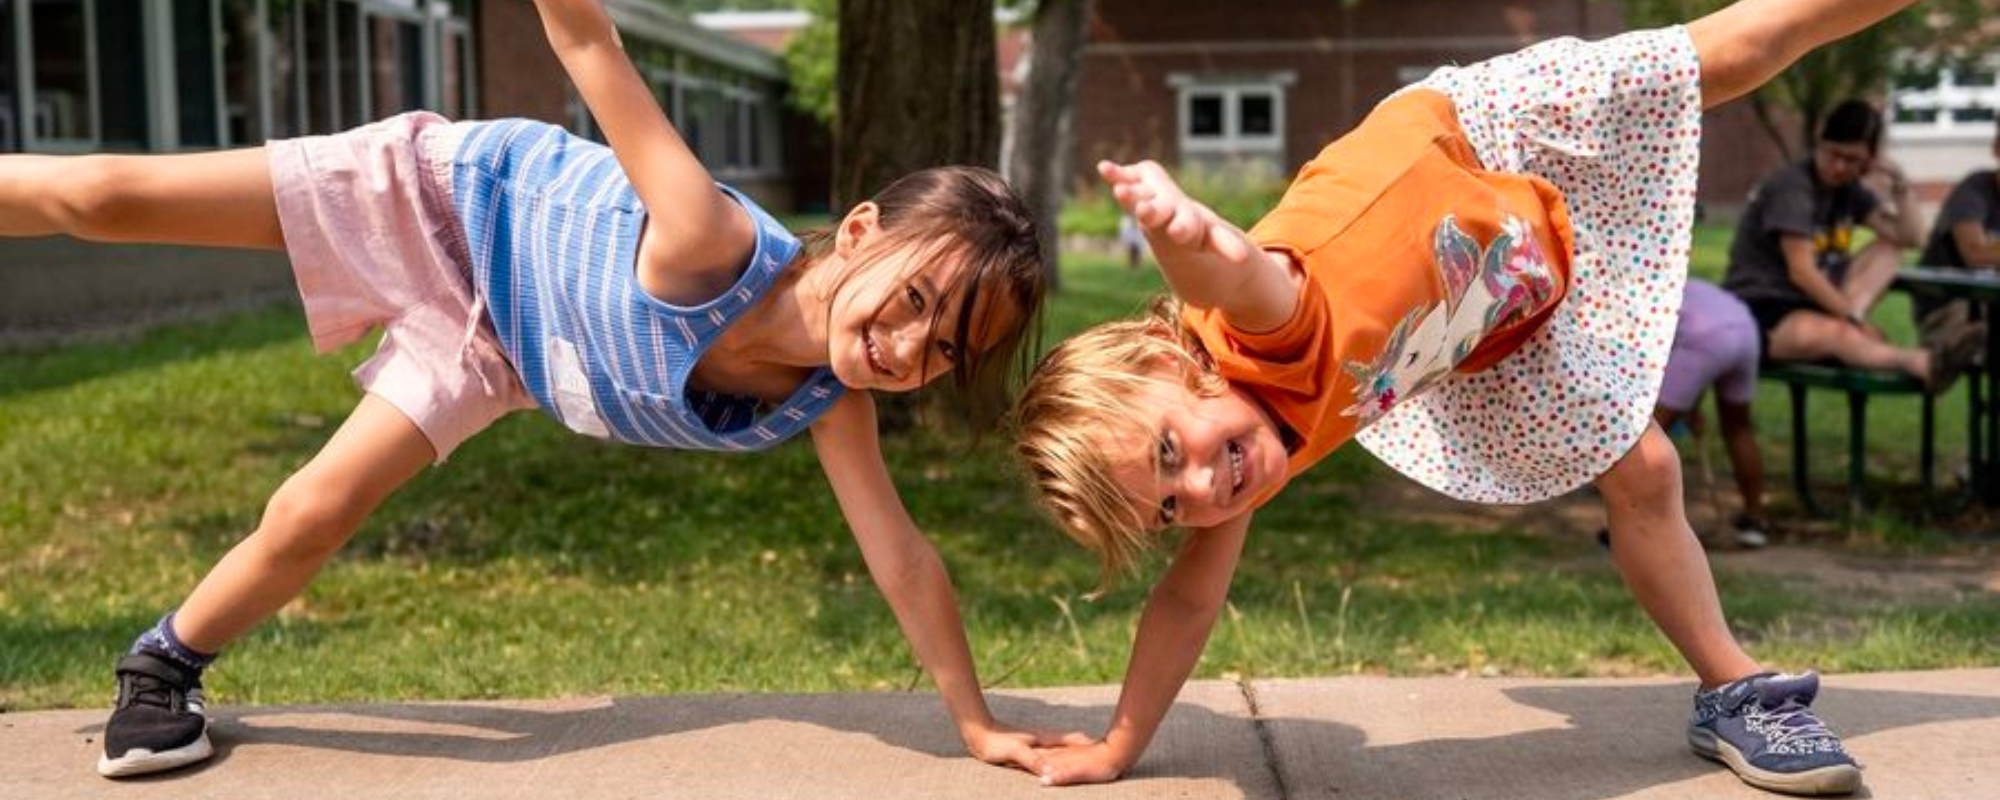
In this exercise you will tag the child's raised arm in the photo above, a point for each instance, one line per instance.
(1174, 628)
(911, 576)
(1207, 261)
(706, 231)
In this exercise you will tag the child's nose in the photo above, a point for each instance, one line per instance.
(1199, 482)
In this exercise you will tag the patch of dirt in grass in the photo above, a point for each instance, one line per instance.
(1801, 550)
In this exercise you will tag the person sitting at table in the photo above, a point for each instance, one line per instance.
(1966, 235)
(1715, 344)
(1791, 260)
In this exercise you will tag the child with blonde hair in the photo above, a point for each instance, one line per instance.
(619, 289)
(1479, 283)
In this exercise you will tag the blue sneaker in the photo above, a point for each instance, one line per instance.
(1763, 728)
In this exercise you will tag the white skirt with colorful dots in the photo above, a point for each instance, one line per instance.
(1615, 125)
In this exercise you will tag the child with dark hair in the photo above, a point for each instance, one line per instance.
(1965, 235)
(1793, 260)
(619, 289)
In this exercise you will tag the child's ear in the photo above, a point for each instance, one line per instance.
(856, 228)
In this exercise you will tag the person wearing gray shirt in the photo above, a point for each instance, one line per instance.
(1793, 263)
(1966, 235)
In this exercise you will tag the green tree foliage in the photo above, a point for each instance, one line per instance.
(1917, 40)
(810, 57)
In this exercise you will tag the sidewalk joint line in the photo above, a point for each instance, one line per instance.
(1264, 737)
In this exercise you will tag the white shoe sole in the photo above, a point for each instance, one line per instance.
(140, 761)
(1836, 779)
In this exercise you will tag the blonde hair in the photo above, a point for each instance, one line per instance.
(1082, 396)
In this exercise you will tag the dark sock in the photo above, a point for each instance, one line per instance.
(161, 641)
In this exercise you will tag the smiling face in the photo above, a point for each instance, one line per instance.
(885, 328)
(940, 274)
(897, 319)
(1210, 459)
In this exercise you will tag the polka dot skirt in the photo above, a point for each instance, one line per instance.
(1615, 125)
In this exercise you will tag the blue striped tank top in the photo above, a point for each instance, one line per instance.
(552, 226)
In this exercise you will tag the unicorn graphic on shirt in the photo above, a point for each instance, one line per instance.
(1484, 289)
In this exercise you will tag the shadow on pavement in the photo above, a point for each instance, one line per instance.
(1617, 740)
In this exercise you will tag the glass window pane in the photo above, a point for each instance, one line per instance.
(242, 105)
(756, 132)
(10, 113)
(1972, 114)
(1205, 115)
(396, 56)
(347, 57)
(194, 74)
(733, 149)
(121, 75)
(319, 66)
(1255, 115)
(453, 61)
(62, 82)
(288, 71)
(1917, 115)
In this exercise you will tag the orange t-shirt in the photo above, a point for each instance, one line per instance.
(1417, 262)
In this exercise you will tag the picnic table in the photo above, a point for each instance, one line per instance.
(1982, 288)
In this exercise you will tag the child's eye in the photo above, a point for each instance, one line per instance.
(1167, 506)
(948, 350)
(916, 298)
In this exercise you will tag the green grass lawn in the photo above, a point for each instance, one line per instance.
(538, 563)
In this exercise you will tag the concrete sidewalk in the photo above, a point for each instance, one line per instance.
(1920, 734)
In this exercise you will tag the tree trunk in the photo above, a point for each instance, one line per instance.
(916, 86)
(1037, 162)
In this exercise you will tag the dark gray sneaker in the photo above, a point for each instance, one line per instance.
(159, 722)
(1763, 728)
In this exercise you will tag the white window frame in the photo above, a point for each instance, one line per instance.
(1948, 95)
(24, 75)
(1232, 90)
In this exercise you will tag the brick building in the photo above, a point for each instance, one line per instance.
(1259, 88)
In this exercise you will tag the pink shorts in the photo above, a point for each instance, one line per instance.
(373, 240)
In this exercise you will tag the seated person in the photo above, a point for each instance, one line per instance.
(1966, 235)
(1790, 260)
(1715, 344)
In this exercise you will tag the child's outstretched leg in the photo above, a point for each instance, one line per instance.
(1759, 724)
(1746, 43)
(159, 722)
(219, 199)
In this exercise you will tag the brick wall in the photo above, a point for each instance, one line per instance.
(1343, 59)
(519, 75)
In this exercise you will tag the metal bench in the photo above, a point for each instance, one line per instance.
(1859, 384)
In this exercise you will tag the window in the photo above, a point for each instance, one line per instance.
(1225, 116)
(195, 78)
(59, 73)
(80, 75)
(1951, 102)
(10, 112)
(1205, 115)
(456, 82)
(396, 65)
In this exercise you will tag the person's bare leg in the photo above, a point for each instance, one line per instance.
(219, 199)
(1870, 273)
(1662, 562)
(1812, 336)
(311, 516)
(1739, 436)
(1745, 44)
